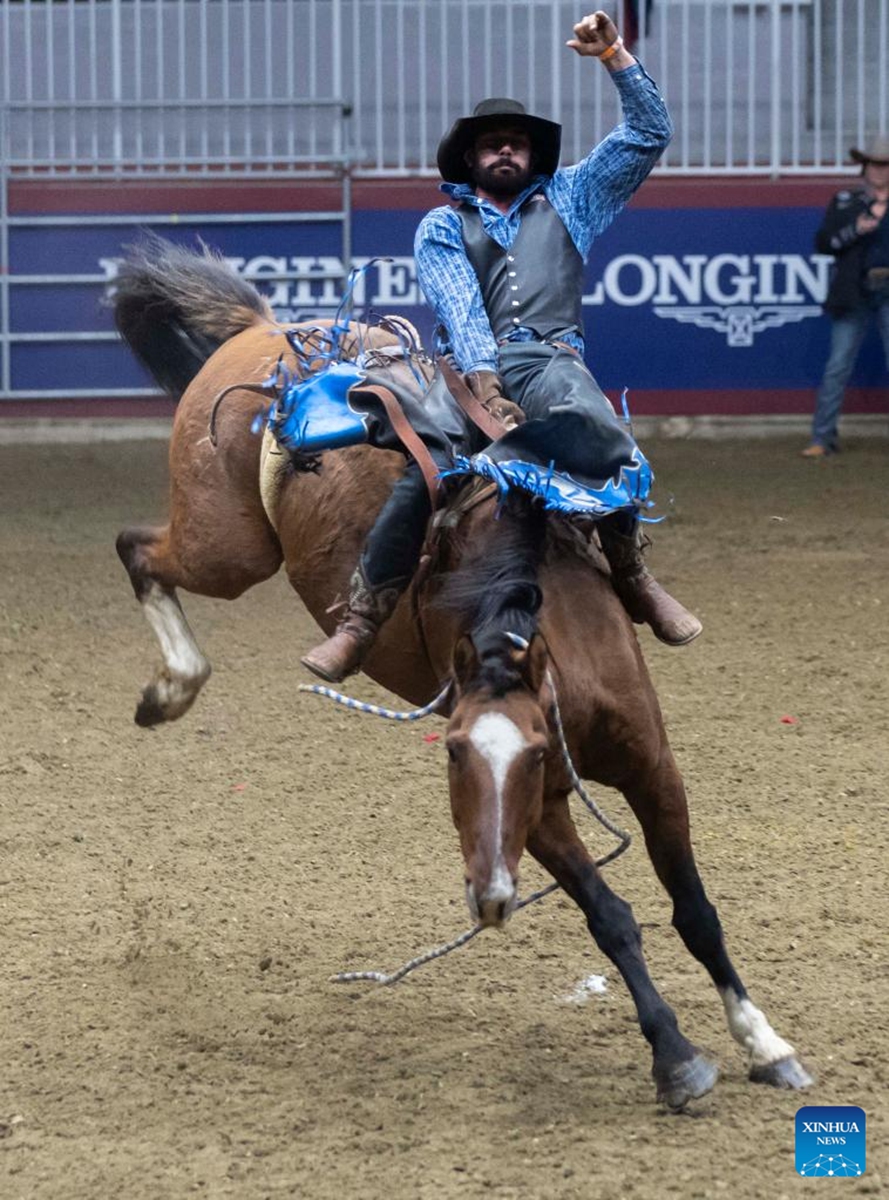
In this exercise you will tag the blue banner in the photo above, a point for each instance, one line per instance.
(675, 299)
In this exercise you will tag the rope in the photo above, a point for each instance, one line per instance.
(390, 714)
(438, 952)
(576, 782)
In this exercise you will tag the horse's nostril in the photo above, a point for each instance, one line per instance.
(501, 911)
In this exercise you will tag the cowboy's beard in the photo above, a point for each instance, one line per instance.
(501, 183)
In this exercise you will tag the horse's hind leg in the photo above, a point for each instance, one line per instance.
(681, 1072)
(660, 804)
(219, 543)
(185, 670)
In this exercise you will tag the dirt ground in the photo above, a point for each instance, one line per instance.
(174, 901)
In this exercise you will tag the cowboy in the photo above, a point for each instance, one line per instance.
(502, 268)
(856, 230)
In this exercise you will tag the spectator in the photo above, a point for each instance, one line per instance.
(856, 230)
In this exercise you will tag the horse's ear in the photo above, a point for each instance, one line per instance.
(535, 663)
(466, 663)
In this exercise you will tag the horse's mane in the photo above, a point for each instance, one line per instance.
(495, 592)
(174, 307)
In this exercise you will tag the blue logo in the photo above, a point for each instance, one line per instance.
(830, 1140)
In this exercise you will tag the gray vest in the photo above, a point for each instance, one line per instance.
(538, 282)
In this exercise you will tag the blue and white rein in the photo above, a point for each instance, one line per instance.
(417, 714)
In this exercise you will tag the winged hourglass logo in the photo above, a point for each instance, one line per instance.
(739, 322)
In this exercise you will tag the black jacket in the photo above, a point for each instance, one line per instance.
(838, 236)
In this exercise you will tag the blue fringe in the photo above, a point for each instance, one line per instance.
(558, 490)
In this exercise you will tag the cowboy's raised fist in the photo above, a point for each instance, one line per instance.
(594, 34)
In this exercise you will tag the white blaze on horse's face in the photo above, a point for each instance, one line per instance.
(496, 784)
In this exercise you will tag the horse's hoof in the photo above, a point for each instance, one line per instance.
(785, 1073)
(169, 695)
(688, 1081)
(149, 710)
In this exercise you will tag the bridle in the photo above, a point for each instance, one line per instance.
(624, 838)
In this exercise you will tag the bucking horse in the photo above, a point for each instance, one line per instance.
(512, 621)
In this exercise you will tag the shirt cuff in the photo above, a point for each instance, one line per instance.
(630, 77)
(635, 68)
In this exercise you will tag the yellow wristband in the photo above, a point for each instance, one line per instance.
(612, 50)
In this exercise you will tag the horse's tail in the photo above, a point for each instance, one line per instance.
(174, 307)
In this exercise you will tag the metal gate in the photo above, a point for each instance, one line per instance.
(204, 89)
(335, 165)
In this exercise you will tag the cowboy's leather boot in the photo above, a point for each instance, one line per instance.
(344, 651)
(646, 602)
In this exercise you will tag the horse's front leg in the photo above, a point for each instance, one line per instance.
(681, 1072)
(185, 670)
(660, 804)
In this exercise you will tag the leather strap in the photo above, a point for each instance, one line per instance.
(408, 437)
(260, 389)
(476, 412)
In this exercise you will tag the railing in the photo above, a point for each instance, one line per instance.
(256, 89)
(117, 145)
(205, 86)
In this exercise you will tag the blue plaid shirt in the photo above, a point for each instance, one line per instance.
(587, 196)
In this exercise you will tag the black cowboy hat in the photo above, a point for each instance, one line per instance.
(876, 151)
(545, 136)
